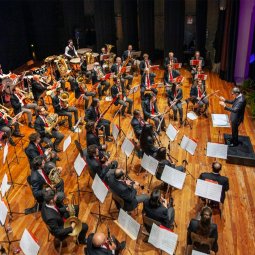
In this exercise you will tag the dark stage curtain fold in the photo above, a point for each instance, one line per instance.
(146, 25)
(228, 55)
(174, 27)
(201, 24)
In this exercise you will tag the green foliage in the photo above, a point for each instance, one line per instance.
(248, 89)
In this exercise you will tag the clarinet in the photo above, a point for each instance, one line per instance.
(110, 240)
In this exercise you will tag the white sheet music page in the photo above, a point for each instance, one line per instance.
(220, 120)
(3, 212)
(217, 150)
(99, 189)
(127, 147)
(184, 142)
(66, 143)
(115, 131)
(79, 164)
(173, 177)
(172, 132)
(5, 152)
(5, 186)
(28, 244)
(191, 116)
(197, 253)
(191, 147)
(208, 190)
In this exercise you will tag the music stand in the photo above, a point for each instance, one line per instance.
(66, 144)
(132, 91)
(186, 122)
(127, 148)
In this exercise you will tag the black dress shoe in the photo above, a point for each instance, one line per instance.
(121, 246)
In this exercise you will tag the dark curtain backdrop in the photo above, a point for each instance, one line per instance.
(174, 27)
(201, 24)
(146, 25)
(129, 23)
(228, 55)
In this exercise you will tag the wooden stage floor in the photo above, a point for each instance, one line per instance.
(236, 228)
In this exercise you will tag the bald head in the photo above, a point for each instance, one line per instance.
(98, 239)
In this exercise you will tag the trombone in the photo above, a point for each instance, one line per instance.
(5, 108)
(3, 112)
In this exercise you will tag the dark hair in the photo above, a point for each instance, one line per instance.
(33, 137)
(91, 150)
(94, 102)
(48, 166)
(48, 195)
(70, 40)
(90, 126)
(118, 173)
(161, 153)
(136, 112)
(154, 200)
(204, 223)
(37, 162)
(216, 167)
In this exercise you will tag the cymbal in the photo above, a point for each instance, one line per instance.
(49, 59)
(83, 50)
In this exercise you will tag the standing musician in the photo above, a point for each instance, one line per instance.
(145, 63)
(6, 124)
(18, 102)
(39, 90)
(93, 114)
(117, 68)
(150, 111)
(40, 125)
(70, 51)
(62, 109)
(170, 60)
(237, 113)
(128, 54)
(119, 95)
(198, 95)
(201, 62)
(174, 100)
(137, 123)
(169, 76)
(147, 81)
(98, 76)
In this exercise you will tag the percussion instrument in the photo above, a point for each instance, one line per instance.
(75, 64)
(49, 59)
(83, 51)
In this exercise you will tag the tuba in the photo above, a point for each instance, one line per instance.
(54, 176)
(52, 121)
(73, 218)
(64, 97)
(62, 67)
(109, 48)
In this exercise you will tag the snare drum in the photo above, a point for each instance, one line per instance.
(75, 64)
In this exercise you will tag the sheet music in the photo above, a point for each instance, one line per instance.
(163, 239)
(128, 223)
(6, 148)
(3, 212)
(191, 115)
(79, 164)
(217, 150)
(5, 186)
(127, 147)
(188, 145)
(115, 131)
(220, 120)
(208, 190)
(99, 189)
(173, 177)
(67, 142)
(172, 132)
(197, 253)
(150, 164)
(28, 244)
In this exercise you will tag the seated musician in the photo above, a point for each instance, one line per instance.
(70, 51)
(38, 90)
(119, 96)
(203, 230)
(127, 54)
(125, 189)
(201, 63)
(147, 82)
(35, 149)
(53, 218)
(145, 63)
(157, 208)
(40, 125)
(118, 71)
(6, 124)
(62, 109)
(101, 57)
(93, 114)
(169, 60)
(18, 102)
(197, 72)
(99, 244)
(137, 123)
(174, 100)
(99, 166)
(198, 96)
(150, 111)
(169, 77)
(97, 76)
(215, 177)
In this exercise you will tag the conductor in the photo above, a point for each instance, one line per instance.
(237, 113)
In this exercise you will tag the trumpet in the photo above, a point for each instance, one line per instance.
(5, 108)
(3, 112)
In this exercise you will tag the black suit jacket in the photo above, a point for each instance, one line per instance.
(37, 183)
(193, 227)
(147, 110)
(94, 76)
(92, 250)
(55, 222)
(127, 193)
(15, 104)
(37, 90)
(55, 104)
(222, 180)
(40, 126)
(115, 91)
(137, 127)
(143, 80)
(167, 61)
(147, 146)
(171, 96)
(92, 138)
(125, 55)
(142, 65)
(194, 91)
(114, 68)
(237, 110)
(91, 114)
(166, 76)
(32, 152)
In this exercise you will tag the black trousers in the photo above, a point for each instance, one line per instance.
(106, 124)
(235, 125)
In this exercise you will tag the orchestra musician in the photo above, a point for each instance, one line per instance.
(126, 189)
(137, 123)
(170, 60)
(236, 113)
(62, 108)
(147, 82)
(70, 51)
(101, 56)
(145, 63)
(117, 69)
(197, 72)
(150, 111)
(118, 92)
(99, 244)
(93, 114)
(19, 104)
(53, 217)
(201, 62)
(175, 96)
(128, 54)
(38, 90)
(40, 125)
(98, 76)
(198, 96)
(169, 76)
